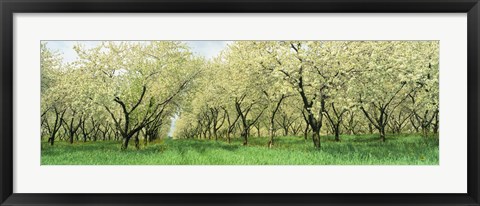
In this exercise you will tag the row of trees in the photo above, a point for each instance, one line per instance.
(131, 90)
(115, 91)
(315, 87)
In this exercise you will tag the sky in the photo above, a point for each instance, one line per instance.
(207, 49)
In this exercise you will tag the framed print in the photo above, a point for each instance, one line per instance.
(244, 103)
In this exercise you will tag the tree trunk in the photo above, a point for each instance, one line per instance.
(382, 133)
(436, 124)
(71, 132)
(137, 141)
(145, 137)
(316, 125)
(370, 128)
(245, 135)
(425, 132)
(305, 132)
(125, 143)
(272, 133)
(71, 137)
(337, 133)
(52, 138)
(316, 138)
(56, 126)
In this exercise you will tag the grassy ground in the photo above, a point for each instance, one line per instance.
(352, 150)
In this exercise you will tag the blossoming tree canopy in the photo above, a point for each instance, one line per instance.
(132, 90)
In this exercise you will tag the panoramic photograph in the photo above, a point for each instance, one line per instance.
(239, 102)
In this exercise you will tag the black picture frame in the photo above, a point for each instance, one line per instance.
(9, 7)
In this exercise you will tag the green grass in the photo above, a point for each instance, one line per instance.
(352, 150)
